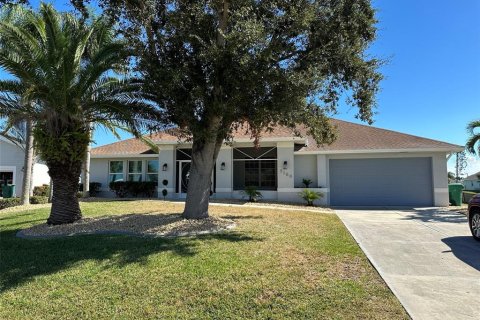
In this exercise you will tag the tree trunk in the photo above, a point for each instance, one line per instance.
(50, 191)
(86, 173)
(205, 150)
(65, 206)
(27, 164)
(204, 156)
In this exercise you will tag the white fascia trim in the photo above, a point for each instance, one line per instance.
(8, 141)
(270, 139)
(121, 156)
(380, 151)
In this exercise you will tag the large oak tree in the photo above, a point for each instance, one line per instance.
(212, 65)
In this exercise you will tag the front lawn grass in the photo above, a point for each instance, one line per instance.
(276, 264)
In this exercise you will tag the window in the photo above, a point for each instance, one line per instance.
(116, 171)
(255, 167)
(152, 170)
(135, 170)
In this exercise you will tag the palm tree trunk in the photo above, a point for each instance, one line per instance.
(86, 171)
(65, 206)
(27, 164)
(50, 191)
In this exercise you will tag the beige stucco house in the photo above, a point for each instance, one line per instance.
(365, 166)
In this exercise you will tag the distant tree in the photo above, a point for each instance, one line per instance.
(451, 176)
(460, 166)
(212, 65)
(67, 67)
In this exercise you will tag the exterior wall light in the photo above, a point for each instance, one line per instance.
(222, 166)
(285, 165)
(164, 167)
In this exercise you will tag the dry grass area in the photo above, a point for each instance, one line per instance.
(276, 264)
(155, 225)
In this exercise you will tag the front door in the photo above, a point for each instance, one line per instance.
(183, 177)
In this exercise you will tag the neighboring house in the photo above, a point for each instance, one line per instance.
(472, 182)
(365, 166)
(11, 167)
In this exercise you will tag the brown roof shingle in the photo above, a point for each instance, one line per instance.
(351, 136)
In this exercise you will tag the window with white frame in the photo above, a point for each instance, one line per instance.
(135, 170)
(116, 171)
(152, 170)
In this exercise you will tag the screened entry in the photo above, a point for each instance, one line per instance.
(182, 171)
(255, 167)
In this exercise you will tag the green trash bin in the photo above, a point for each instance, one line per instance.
(8, 191)
(455, 194)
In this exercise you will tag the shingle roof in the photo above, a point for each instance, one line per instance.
(474, 177)
(350, 137)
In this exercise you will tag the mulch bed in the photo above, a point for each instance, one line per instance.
(151, 225)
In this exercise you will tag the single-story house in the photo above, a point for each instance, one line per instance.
(472, 182)
(11, 167)
(365, 166)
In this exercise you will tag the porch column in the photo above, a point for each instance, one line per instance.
(285, 176)
(166, 156)
(322, 170)
(224, 185)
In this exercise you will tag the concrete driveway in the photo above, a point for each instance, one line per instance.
(426, 256)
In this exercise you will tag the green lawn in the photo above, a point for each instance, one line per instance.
(275, 265)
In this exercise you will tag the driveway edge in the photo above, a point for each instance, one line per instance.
(378, 269)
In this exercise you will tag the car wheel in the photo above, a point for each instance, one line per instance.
(475, 225)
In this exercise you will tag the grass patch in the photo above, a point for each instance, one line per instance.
(275, 265)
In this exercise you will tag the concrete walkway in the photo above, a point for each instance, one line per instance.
(426, 256)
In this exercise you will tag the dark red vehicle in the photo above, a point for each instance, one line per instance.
(474, 216)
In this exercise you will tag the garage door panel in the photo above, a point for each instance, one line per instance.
(372, 182)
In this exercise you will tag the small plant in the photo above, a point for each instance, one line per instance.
(310, 196)
(119, 188)
(133, 188)
(307, 182)
(164, 193)
(38, 199)
(94, 188)
(252, 193)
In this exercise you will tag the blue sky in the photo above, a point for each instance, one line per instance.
(432, 80)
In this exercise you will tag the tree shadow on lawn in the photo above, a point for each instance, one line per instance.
(22, 259)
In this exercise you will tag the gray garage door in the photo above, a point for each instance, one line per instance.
(381, 182)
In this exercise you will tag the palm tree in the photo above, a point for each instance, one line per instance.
(67, 67)
(472, 143)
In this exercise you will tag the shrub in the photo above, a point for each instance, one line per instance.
(9, 202)
(119, 188)
(38, 200)
(94, 188)
(164, 193)
(310, 196)
(307, 182)
(41, 191)
(252, 193)
(133, 188)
